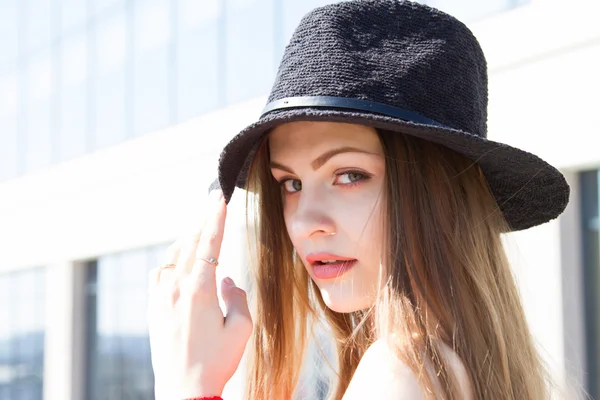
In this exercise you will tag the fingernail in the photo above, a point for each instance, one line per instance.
(228, 281)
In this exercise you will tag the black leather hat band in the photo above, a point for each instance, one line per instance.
(348, 104)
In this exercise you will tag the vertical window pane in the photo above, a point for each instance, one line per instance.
(121, 367)
(73, 14)
(21, 335)
(5, 334)
(590, 206)
(250, 58)
(151, 65)
(9, 92)
(197, 57)
(73, 101)
(8, 147)
(9, 17)
(38, 124)
(104, 6)
(110, 82)
(107, 344)
(38, 23)
(9, 101)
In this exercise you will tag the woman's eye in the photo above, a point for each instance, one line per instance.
(292, 185)
(350, 177)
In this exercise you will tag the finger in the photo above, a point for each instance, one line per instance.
(172, 253)
(238, 316)
(161, 273)
(186, 255)
(188, 246)
(153, 278)
(210, 241)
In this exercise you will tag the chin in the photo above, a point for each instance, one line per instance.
(346, 301)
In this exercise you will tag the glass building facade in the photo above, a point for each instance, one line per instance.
(118, 364)
(590, 206)
(22, 321)
(77, 76)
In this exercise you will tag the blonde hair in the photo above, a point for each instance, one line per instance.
(446, 277)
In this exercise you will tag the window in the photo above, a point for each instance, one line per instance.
(199, 56)
(100, 7)
(73, 97)
(152, 35)
(9, 90)
(39, 84)
(118, 363)
(9, 17)
(22, 300)
(250, 57)
(590, 206)
(38, 24)
(109, 90)
(73, 14)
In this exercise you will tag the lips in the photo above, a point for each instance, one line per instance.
(329, 266)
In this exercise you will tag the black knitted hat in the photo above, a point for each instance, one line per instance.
(404, 67)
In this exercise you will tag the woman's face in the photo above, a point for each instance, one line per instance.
(332, 177)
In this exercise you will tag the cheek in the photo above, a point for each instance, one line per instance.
(288, 219)
(364, 222)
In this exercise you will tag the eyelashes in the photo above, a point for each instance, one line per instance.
(345, 179)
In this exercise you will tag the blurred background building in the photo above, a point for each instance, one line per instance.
(112, 117)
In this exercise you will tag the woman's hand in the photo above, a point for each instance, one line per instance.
(195, 349)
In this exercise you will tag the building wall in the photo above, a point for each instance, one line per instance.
(543, 60)
(147, 190)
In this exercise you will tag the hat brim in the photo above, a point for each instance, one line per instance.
(528, 190)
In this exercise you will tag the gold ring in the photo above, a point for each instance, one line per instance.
(168, 266)
(210, 260)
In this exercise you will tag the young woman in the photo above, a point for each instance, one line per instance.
(378, 204)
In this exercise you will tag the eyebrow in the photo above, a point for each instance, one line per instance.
(323, 158)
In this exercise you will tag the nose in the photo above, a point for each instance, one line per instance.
(311, 218)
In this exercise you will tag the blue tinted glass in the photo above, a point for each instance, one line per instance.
(152, 37)
(38, 145)
(108, 297)
(109, 117)
(39, 75)
(8, 147)
(133, 269)
(197, 58)
(73, 121)
(40, 299)
(9, 103)
(5, 322)
(73, 14)
(38, 25)
(9, 13)
(132, 315)
(250, 57)
(104, 6)
(109, 85)
(20, 319)
(73, 98)
(122, 359)
(151, 91)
